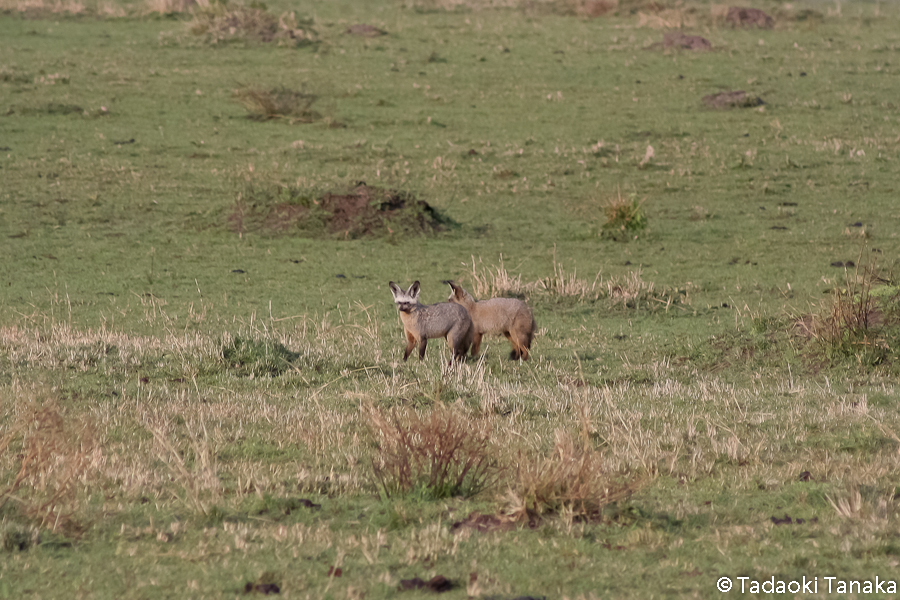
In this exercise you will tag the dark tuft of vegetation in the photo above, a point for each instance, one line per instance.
(734, 99)
(257, 358)
(51, 108)
(16, 537)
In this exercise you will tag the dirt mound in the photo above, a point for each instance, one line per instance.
(749, 17)
(735, 99)
(364, 211)
(676, 39)
(363, 30)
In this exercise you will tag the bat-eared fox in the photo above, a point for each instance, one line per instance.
(423, 322)
(507, 316)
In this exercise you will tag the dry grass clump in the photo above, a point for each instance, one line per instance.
(580, 8)
(571, 482)
(490, 284)
(168, 7)
(587, 8)
(855, 320)
(874, 506)
(438, 454)
(37, 9)
(54, 458)
(655, 16)
(629, 290)
(567, 285)
(193, 465)
(278, 103)
(221, 22)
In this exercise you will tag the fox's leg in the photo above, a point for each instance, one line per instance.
(410, 344)
(476, 343)
(458, 348)
(525, 338)
(514, 353)
(523, 352)
(422, 343)
(525, 346)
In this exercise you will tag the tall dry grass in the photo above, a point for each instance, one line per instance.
(55, 458)
(572, 482)
(629, 290)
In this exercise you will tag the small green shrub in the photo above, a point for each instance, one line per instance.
(624, 216)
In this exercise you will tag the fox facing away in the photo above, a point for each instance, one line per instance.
(423, 322)
(507, 316)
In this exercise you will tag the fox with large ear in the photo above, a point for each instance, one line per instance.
(498, 316)
(423, 322)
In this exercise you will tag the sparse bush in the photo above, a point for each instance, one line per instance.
(278, 103)
(440, 454)
(571, 481)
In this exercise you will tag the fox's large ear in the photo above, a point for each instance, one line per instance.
(394, 289)
(452, 288)
(455, 290)
(413, 290)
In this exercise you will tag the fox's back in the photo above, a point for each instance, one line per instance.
(435, 320)
(498, 314)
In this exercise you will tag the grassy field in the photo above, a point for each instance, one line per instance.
(202, 391)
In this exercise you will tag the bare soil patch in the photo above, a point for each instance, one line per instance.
(676, 39)
(363, 30)
(483, 523)
(749, 17)
(732, 99)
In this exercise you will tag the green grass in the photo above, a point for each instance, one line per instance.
(208, 390)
